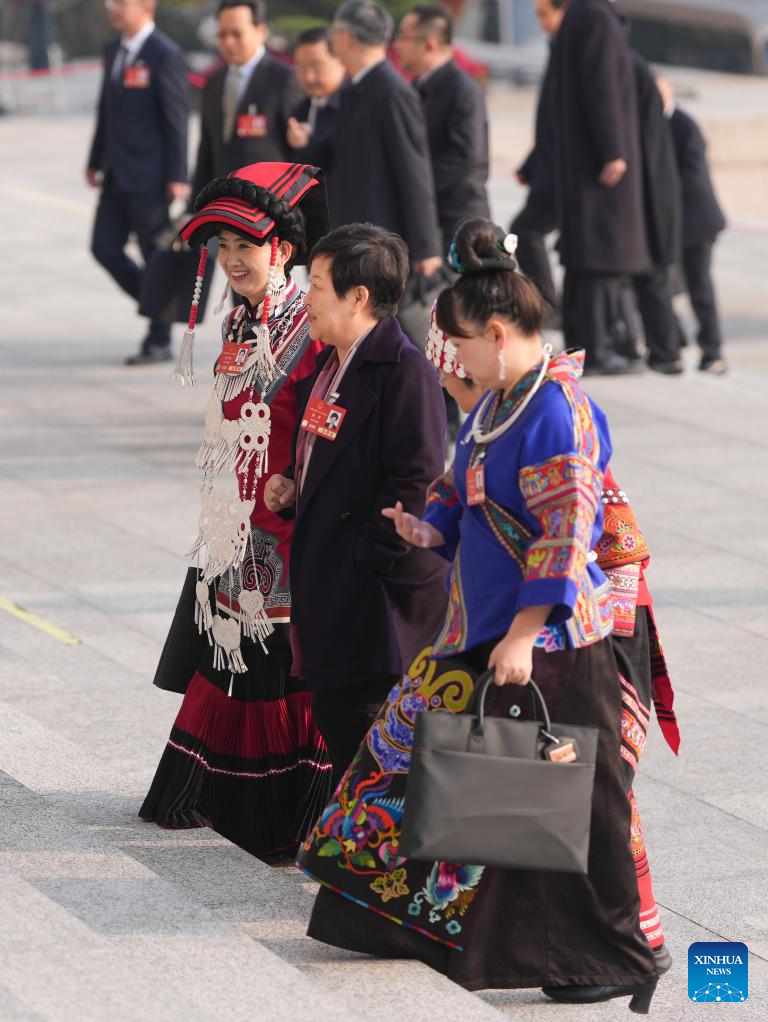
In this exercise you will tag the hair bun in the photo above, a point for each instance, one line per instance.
(479, 248)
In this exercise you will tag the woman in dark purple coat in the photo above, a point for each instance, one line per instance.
(371, 433)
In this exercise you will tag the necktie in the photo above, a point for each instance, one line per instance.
(314, 110)
(229, 103)
(120, 61)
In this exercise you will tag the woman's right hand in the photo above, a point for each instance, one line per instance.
(412, 529)
(279, 493)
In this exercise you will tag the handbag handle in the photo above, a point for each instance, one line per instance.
(476, 703)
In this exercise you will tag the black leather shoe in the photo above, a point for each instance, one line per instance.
(149, 356)
(641, 995)
(614, 365)
(668, 368)
(663, 958)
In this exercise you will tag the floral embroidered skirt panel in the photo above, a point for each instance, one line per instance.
(244, 756)
(484, 928)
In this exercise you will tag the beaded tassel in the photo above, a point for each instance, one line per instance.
(222, 301)
(185, 367)
(266, 366)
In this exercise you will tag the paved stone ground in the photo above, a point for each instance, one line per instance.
(103, 917)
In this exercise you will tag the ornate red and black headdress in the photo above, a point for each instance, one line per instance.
(260, 202)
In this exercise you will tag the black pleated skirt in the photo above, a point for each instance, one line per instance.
(244, 756)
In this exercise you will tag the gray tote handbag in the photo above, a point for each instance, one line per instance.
(491, 791)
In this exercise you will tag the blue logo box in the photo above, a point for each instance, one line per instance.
(718, 972)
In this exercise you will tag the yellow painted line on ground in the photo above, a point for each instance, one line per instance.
(37, 622)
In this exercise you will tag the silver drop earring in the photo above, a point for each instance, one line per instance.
(502, 368)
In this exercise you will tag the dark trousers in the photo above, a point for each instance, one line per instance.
(660, 326)
(697, 269)
(344, 715)
(590, 301)
(118, 215)
(532, 225)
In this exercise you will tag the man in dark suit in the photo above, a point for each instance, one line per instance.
(246, 105)
(703, 220)
(365, 602)
(663, 220)
(139, 152)
(599, 176)
(454, 108)
(379, 168)
(321, 77)
(538, 218)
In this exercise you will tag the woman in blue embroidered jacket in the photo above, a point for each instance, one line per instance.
(519, 515)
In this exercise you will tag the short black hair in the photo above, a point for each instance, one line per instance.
(312, 36)
(367, 22)
(258, 9)
(436, 20)
(368, 256)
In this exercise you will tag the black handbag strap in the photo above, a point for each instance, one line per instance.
(476, 704)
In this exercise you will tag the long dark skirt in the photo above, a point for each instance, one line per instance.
(483, 928)
(244, 756)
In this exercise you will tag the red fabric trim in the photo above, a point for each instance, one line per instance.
(258, 730)
(661, 687)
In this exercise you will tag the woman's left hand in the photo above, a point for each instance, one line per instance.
(512, 659)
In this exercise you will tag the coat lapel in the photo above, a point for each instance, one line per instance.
(383, 344)
(256, 86)
(359, 400)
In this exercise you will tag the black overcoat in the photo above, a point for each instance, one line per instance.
(538, 168)
(595, 109)
(661, 180)
(457, 133)
(273, 91)
(378, 166)
(140, 141)
(365, 602)
(703, 218)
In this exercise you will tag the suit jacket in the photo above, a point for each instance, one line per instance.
(602, 230)
(319, 144)
(379, 168)
(457, 133)
(273, 90)
(363, 601)
(661, 180)
(703, 218)
(140, 142)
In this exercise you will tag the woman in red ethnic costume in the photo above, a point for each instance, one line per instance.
(244, 756)
(623, 555)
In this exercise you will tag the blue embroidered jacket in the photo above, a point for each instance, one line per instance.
(528, 544)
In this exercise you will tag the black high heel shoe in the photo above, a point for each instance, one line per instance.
(641, 994)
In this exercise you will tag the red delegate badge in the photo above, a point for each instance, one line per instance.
(233, 358)
(251, 125)
(476, 485)
(136, 77)
(323, 419)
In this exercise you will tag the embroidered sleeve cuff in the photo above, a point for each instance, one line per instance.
(561, 593)
(446, 519)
